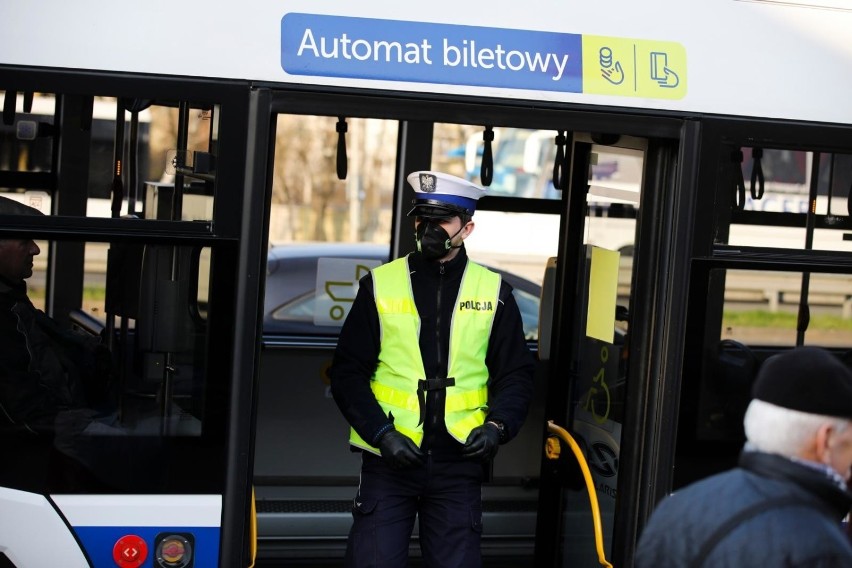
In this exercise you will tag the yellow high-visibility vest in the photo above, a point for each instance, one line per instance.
(401, 365)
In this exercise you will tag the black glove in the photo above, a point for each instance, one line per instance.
(482, 443)
(399, 450)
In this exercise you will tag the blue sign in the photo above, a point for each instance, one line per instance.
(364, 48)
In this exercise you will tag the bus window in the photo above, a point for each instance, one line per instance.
(457, 149)
(310, 203)
(140, 175)
(520, 254)
(759, 315)
(615, 181)
(27, 143)
(761, 307)
(838, 169)
(315, 215)
(775, 208)
(517, 242)
(523, 167)
(96, 257)
(134, 360)
(522, 160)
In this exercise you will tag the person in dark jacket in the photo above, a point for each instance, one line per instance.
(54, 383)
(784, 503)
(433, 374)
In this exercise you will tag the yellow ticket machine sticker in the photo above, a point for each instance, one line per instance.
(633, 67)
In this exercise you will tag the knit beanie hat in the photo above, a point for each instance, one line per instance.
(807, 379)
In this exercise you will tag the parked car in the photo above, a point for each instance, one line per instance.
(291, 283)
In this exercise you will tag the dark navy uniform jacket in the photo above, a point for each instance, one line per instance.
(510, 363)
(44, 369)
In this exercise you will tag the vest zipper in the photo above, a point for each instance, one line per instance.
(438, 316)
(433, 418)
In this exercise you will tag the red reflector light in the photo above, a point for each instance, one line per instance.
(130, 551)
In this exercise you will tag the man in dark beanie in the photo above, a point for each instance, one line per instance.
(785, 502)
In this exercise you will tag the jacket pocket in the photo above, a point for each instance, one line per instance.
(476, 519)
(363, 506)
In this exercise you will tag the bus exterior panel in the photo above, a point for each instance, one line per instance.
(628, 54)
(24, 515)
(106, 529)
(102, 521)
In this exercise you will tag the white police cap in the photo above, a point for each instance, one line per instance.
(441, 195)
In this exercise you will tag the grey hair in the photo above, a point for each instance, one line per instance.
(778, 430)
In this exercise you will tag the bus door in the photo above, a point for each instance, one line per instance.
(580, 200)
(327, 228)
(587, 312)
(304, 472)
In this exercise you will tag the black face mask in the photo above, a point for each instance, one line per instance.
(433, 241)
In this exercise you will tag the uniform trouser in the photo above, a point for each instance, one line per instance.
(445, 495)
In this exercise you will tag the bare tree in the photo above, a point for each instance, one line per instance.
(305, 175)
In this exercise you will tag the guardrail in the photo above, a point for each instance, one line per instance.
(778, 288)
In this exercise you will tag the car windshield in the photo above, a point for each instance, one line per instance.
(299, 309)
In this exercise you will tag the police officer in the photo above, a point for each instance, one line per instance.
(433, 373)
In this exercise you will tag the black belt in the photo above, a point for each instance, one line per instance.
(424, 385)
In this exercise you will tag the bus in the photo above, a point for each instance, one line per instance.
(209, 173)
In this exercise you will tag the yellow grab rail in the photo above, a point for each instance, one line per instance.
(590, 486)
(253, 529)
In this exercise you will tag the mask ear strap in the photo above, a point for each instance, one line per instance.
(450, 240)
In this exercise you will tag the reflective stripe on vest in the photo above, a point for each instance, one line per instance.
(401, 366)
